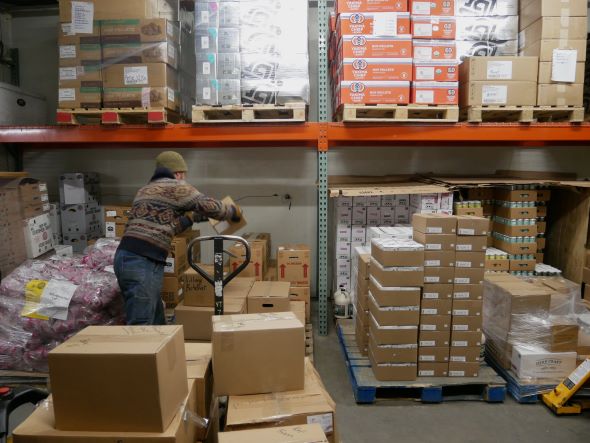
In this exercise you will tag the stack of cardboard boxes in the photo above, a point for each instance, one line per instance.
(35, 208)
(396, 278)
(294, 266)
(80, 211)
(12, 242)
(361, 263)
(556, 32)
(260, 250)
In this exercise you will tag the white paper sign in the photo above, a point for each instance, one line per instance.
(82, 17)
(563, 68)
(68, 73)
(424, 96)
(67, 51)
(385, 23)
(425, 73)
(135, 75)
(499, 70)
(56, 298)
(67, 94)
(494, 94)
(461, 295)
(421, 8)
(146, 99)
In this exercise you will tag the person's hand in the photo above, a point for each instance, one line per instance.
(236, 214)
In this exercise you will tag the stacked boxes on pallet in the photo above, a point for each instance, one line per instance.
(79, 195)
(396, 278)
(556, 32)
(360, 272)
(436, 77)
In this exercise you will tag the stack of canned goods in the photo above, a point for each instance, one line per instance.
(522, 257)
(508, 239)
(496, 254)
(468, 204)
(509, 204)
(543, 270)
(516, 221)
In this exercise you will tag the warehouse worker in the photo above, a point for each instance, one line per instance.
(158, 213)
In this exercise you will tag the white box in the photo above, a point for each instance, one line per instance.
(540, 364)
(446, 201)
(344, 202)
(359, 216)
(373, 201)
(425, 201)
(343, 234)
(387, 200)
(342, 281)
(359, 201)
(358, 235)
(343, 216)
(343, 268)
(38, 235)
(342, 250)
(387, 216)
(402, 200)
(373, 216)
(402, 215)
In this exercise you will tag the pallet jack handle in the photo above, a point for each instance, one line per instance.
(218, 281)
(11, 399)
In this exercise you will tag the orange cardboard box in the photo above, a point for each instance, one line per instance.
(434, 27)
(373, 93)
(425, 50)
(293, 264)
(369, 46)
(435, 93)
(375, 69)
(371, 6)
(374, 23)
(432, 7)
(436, 71)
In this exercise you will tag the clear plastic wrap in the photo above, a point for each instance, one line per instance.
(36, 319)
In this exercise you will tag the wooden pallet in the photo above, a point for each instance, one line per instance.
(523, 114)
(287, 113)
(116, 116)
(397, 114)
(488, 386)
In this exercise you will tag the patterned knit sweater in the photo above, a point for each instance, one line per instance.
(158, 212)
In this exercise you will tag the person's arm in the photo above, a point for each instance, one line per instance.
(205, 207)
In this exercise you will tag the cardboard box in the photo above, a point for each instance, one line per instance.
(531, 11)
(383, 333)
(470, 259)
(198, 363)
(139, 75)
(293, 264)
(257, 266)
(465, 355)
(430, 369)
(436, 307)
(405, 353)
(472, 226)
(545, 76)
(373, 23)
(560, 95)
(172, 290)
(397, 276)
(468, 292)
(114, 10)
(471, 243)
(302, 293)
(269, 296)
(500, 68)
(394, 315)
(515, 248)
(227, 227)
(435, 7)
(392, 371)
(439, 259)
(298, 308)
(469, 276)
(539, 364)
(439, 275)
(437, 291)
(294, 408)
(132, 52)
(434, 355)
(434, 339)
(371, 6)
(498, 93)
(371, 92)
(177, 260)
(544, 48)
(368, 46)
(394, 296)
(460, 369)
(436, 242)
(516, 231)
(392, 252)
(436, 71)
(435, 93)
(131, 355)
(473, 212)
(523, 265)
(497, 265)
(434, 28)
(291, 434)
(268, 348)
(153, 30)
(434, 224)
(465, 339)
(516, 213)
(79, 94)
(38, 235)
(435, 323)
(467, 308)
(573, 28)
(375, 69)
(467, 323)
(428, 50)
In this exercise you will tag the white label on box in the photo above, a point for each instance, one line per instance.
(499, 70)
(171, 95)
(146, 99)
(44, 198)
(430, 295)
(68, 73)
(458, 358)
(426, 373)
(494, 94)
(460, 327)
(424, 96)
(207, 93)
(46, 207)
(464, 247)
(425, 73)
(432, 263)
(422, 30)
(169, 268)
(421, 8)
(324, 420)
(110, 229)
(427, 343)
(66, 29)
(205, 42)
(463, 264)
(111, 213)
(428, 327)
(459, 344)
(82, 17)
(456, 373)
(206, 68)
(423, 52)
(67, 94)
(55, 299)
(205, 17)
(429, 311)
(563, 68)
(135, 75)
(427, 358)
(434, 247)
(460, 312)
(434, 230)
(43, 187)
(385, 23)
(464, 231)
(67, 51)
(431, 279)
(461, 295)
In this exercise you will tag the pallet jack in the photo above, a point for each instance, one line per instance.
(562, 401)
(218, 281)
(13, 398)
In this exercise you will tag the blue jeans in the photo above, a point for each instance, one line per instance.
(140, 280)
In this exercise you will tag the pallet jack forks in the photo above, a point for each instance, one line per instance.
(561, 400)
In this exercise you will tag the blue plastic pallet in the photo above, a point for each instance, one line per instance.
(488, 386)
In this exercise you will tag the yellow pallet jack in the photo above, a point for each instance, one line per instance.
(561, 400)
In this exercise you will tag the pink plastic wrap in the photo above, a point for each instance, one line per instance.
(26, 337)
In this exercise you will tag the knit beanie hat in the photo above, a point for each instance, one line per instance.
(172, 161)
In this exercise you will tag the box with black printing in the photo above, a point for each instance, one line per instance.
(467, 307)
(470, 259)
(467, 323)
(435, 355)
(434, 224)
(439, 275)
(434, 291)
(436, 307)
(465, 339)
(437, 259)
(465, 355)
(472, 243)
(436, 339)
(436, 242)
(459, 369)
(435, 323)
(469, 276)
(430, 369)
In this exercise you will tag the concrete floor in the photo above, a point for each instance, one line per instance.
(456, 422)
